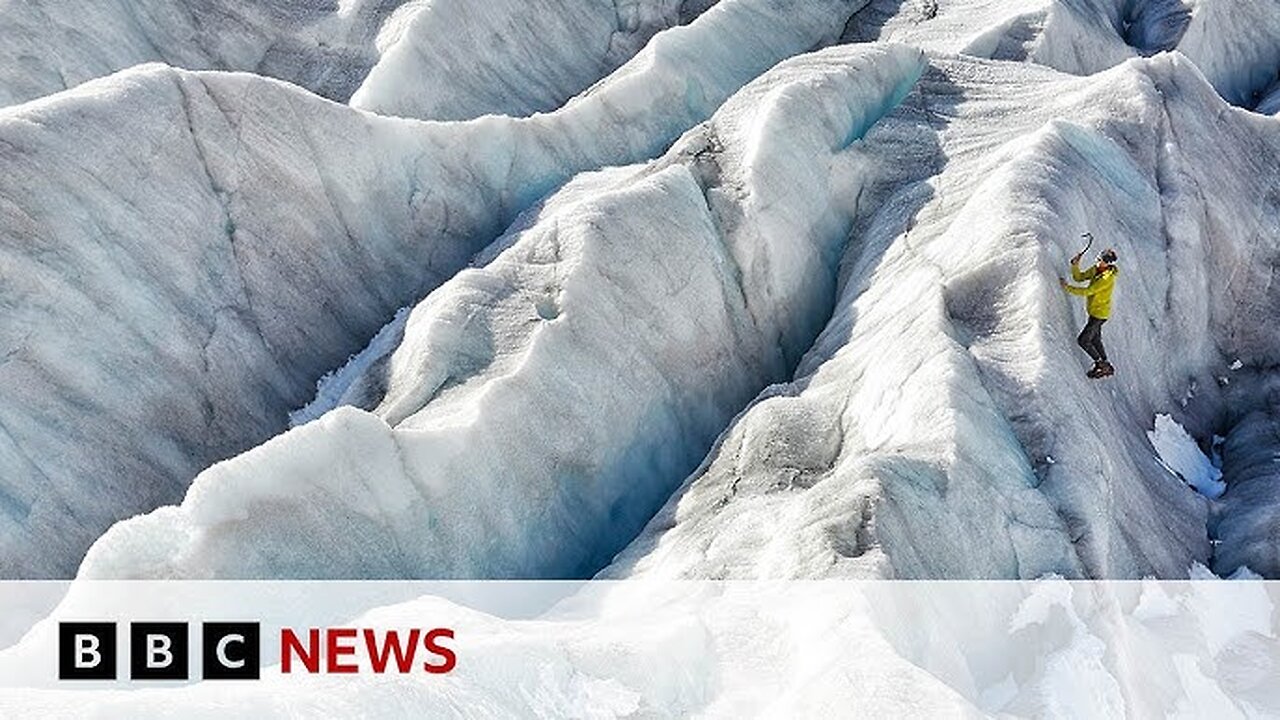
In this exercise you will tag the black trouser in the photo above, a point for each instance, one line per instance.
(1091, 339)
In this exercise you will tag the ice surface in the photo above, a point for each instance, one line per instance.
(1232, 42)
(453, 59)
(333, 388)
(169, 292)
(323, 45)
(440, 60)
(459, 59)
(1248, 523)
(535, 412)
(830, 312)
(244, 238)
(1180, 453)
(1234, 45)
(949, 370)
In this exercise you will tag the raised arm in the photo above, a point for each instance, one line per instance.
(1106, 282)
(1081, 275)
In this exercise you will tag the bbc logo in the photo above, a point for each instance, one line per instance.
(159, 651)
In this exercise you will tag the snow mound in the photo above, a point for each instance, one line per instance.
(228, 253)
(536, 412)
(1182, 456)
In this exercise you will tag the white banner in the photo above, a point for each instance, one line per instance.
(1049, 648)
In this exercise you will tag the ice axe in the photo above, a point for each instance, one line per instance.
(1089, 237)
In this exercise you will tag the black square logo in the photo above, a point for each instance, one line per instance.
(232, 650)
(158, 651)
(87, 651)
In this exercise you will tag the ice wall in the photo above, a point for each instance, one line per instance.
(1247, 524)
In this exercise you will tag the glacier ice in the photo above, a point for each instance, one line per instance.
(458, 59)
(936, 244)
(1183, 457)
(323, 45)
(660, 290)
(245, 237)
(1232, 43)
(949, 328)
(540, 382)
(442, 60)
(1248, 522)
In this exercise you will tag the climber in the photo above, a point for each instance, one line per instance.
(1102, 280)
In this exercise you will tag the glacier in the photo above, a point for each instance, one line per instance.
(323, 45)
(691, 288)
(241, 302)
(459, 60)
(848, 470)
(996, 334)
(439, 60)
(695, 295)
(483, 363)
(1246, 522)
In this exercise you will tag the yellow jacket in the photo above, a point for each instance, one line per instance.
(1098, 291)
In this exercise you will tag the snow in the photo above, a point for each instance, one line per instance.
(255, 253)
(1182, 456)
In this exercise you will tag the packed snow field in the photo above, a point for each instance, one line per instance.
(743, 289)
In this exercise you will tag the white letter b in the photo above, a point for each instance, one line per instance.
(159, 646)
(86, 648)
